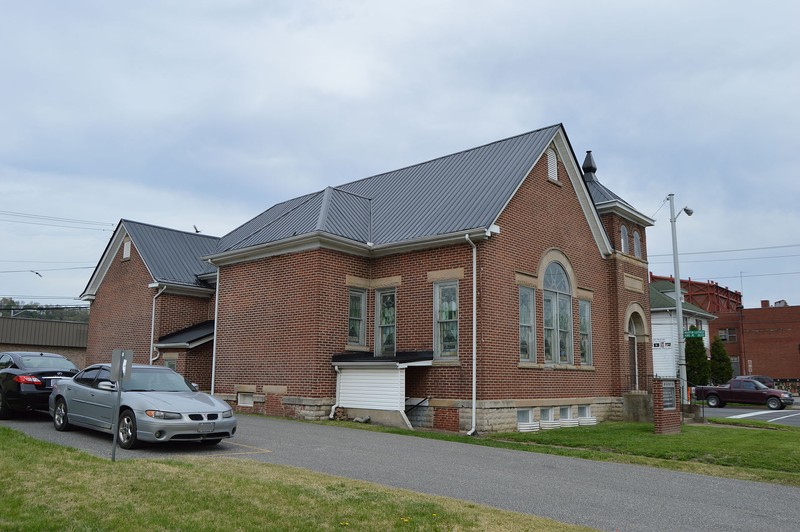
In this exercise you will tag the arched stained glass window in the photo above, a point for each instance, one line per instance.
(557, 315)
(623, 236)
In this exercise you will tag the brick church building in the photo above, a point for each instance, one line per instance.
(480, 291)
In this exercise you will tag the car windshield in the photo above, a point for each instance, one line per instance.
(45, 362)
(146, 380)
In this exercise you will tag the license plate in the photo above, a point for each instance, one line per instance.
(205, 427)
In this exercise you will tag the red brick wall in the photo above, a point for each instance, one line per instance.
(768, 337)
(120, 314)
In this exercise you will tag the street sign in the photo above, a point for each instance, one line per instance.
(694, 334)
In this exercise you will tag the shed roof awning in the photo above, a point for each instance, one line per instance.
(189, 337)
(368, 359)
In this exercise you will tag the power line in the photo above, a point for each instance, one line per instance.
(53, 218)
(55, 225)
(48, 269)
(725, 251)
(728, 260)
(48, 261)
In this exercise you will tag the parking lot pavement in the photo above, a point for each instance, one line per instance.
(788, 416)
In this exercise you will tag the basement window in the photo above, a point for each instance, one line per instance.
(245, 399)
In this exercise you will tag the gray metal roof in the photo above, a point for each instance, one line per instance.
(459, 192)
(172, 256)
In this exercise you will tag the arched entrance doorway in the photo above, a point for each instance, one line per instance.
(637, 363)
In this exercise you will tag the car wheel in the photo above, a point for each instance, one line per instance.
(774, 403)
(211, 441)
(5, 411)
(126, 431)
(60, 418)
(713, 401)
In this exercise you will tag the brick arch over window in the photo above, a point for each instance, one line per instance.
(635, 313)
(555, 255)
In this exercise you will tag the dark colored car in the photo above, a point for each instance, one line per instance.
(27, 377)
(769, 382)
(749, 391)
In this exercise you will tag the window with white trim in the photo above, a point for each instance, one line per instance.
(584, 410)
(565, 412)
(385, 323)
(357, 317)
(524, 415)
(552, 165)
(546, 414)
(126, 249)
(637, 245)
(527, 332)
(446, 318)
(623, 236)
(585, 327)
(557, 319)
(727, 335)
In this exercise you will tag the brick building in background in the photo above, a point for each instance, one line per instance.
(766, 340)
(379, 297)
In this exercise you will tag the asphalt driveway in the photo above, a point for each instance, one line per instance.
(602, 495)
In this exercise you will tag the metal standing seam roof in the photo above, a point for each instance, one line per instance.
(172, 256)
(463, 191)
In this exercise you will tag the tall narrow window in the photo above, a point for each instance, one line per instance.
(623, 236)
(385, 312)
(126, 249)
(585, 313)
(446, 312)
(557, 299)
(637, 245)
(552, 165)
(527, 339)
(357, 315)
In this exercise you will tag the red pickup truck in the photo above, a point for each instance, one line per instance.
(743, 391)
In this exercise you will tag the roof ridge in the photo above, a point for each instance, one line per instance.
(190, 233)
(460, 152)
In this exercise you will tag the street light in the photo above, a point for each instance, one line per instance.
(678, 297)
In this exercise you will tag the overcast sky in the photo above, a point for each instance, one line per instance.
(206, 113)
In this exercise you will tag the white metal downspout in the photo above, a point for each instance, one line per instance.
(153, 326)
(338, 386)
(214, 344)
(474, 332)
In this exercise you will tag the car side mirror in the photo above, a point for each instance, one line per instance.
(195, 387)
(107, 386)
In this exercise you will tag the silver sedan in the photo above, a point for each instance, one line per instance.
(156, 405)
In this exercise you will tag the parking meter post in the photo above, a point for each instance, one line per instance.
(121, 361)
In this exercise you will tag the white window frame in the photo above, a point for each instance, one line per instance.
(584, 410)
(442, 316)
(637, 245)
(362, 295)
(126, 249)
(555, 299)
(524, 415)
(546, 414)
(527, 323)
(565, 409)
(623, 236)
(391, 324)
(585, 330)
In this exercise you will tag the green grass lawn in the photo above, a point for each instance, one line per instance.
(49, 487)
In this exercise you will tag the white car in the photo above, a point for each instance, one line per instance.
(156, 405)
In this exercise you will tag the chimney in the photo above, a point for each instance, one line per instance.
(765, 303)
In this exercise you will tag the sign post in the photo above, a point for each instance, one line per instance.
(121, 361)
